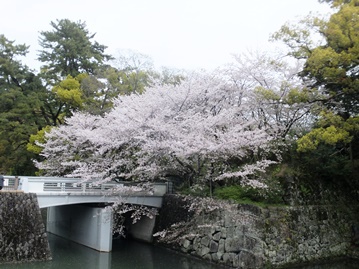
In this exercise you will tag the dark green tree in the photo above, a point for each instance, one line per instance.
(69, 49)
(21, 109)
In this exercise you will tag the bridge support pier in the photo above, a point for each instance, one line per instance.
(87, 225)
(142, 230)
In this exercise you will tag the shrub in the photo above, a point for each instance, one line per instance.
(246, 194)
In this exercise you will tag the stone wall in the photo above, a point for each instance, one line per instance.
(246, 236)
(22, 231)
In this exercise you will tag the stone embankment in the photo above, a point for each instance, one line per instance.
(23, 236)
(246, 236)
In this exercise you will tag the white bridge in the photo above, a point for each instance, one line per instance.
(76, 209)
(57, 191)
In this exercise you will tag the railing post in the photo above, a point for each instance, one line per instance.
(16, 183)
(24, 184)
(169, 187)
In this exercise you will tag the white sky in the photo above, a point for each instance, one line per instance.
(187, 34)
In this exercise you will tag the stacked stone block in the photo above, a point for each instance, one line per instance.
(247, 236)
(23, 236)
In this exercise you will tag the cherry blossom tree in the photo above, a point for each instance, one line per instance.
(200, 130)
(279, 99)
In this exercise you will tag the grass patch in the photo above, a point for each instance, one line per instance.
(248, 195)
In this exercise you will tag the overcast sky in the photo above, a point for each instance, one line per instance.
(187, 34)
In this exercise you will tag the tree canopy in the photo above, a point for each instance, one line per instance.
(21, 108)
(331, 69)
(168, 131)
(69, 49)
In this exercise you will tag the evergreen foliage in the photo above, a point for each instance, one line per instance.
(22, 97)
(69, 50)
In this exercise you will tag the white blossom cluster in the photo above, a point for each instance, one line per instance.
(209, 126)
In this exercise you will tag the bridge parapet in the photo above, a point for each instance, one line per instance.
(11, 183)
(54, 191)
(75, 185)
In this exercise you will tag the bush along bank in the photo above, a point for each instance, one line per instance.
(248, 236)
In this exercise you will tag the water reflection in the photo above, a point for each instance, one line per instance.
(67, 254)
(130, 255)
(125, 255)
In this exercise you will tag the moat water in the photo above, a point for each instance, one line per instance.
(128, 254)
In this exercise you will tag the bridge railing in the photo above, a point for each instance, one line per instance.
(11, 183)
(74, 185)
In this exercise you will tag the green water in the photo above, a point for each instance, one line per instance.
(129, 255)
